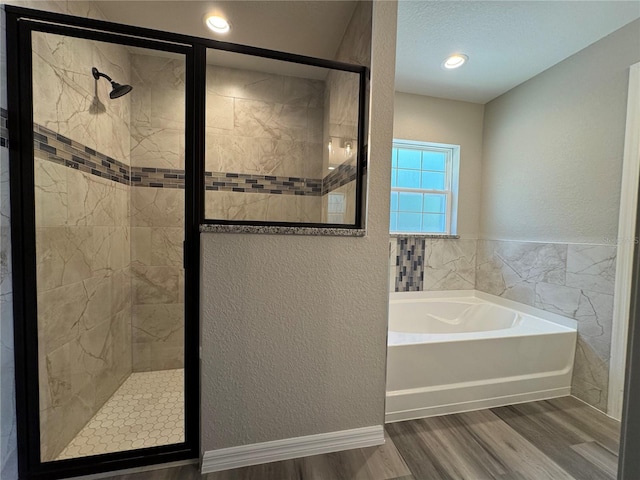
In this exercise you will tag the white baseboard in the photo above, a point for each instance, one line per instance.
(461, 407)
(288, 448)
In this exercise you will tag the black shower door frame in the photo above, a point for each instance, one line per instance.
(20, 25)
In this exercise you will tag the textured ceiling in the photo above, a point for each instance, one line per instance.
(507, 42)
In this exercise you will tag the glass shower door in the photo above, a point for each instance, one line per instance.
(109, 185)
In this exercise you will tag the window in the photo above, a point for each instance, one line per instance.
(424, 187)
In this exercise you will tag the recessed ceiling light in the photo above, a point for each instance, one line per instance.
(454, 61)
(217, 23)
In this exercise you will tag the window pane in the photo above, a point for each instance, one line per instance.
(433, 181)
(394, 177)
(393, 224)
(433, 223)
(394, 201)
(409, 178)
(434, 161)
(409, 158)
(394, 157)
(409, 222)
(410, 202)
(434, 203)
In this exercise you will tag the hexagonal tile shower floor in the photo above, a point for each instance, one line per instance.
(146, 411)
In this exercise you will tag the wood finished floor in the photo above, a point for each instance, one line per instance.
(560, 439)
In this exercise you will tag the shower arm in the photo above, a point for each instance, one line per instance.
(97, 74)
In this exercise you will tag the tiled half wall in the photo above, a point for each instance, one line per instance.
(574, 280)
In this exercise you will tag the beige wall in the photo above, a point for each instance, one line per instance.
(438, 120)
(552, 156)
(294, 327)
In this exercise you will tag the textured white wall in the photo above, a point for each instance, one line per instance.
(552, 157)
(294, 328)
(430, 119)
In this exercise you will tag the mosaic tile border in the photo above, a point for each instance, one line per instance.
(240, 182)
(69, 153)
(61, 150)
(337, 178)
(410, 255)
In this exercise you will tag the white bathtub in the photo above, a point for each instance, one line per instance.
(452, 352)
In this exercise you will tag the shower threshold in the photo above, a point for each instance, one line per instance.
(146, 411)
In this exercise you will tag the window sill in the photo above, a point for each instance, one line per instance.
(424, 235)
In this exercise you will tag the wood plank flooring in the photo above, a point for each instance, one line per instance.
(560, 439)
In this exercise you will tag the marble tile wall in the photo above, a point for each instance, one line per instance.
(428, 264)
(340, 120)
(157, 211)
(81, 171)
(573, 280)
(69, 101)
(263, 125)
(157, 235)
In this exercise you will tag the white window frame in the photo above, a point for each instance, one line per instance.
(452, 175)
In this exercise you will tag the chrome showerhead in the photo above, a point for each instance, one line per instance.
(117, 90)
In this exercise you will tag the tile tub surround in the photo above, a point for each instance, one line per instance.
(573, 280)
(146, 411)
(418, 263)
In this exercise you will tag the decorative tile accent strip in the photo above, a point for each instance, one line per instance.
(339, 177)
(268, 230)
(64, 151)
(409, 264)
(240, 182)
(157, 177)
(4, 132)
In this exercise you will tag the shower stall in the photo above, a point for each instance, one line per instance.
(124, 142)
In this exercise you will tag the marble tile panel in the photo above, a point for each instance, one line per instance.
(533, 262)
(154, 285)
(141, 357)
(595, 319)
(141, 245)
(158, 72)
(592, 267)
(225, 153)
(50, 184)
(112, 136)
(304, 92)
(244, 84)
(167, 246)
(315, 126)
(449, 264)
(557, 299)
(140, 106)
(220, 112)
(255, 118)
(160, 323)
(64, 255)
(157, 147)
(590, 376)
(109, 248)
(157, 207)
(167, 108)
(166, 356)
(235, 205)
(313, 166)
(280, 157)
(91, 200)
